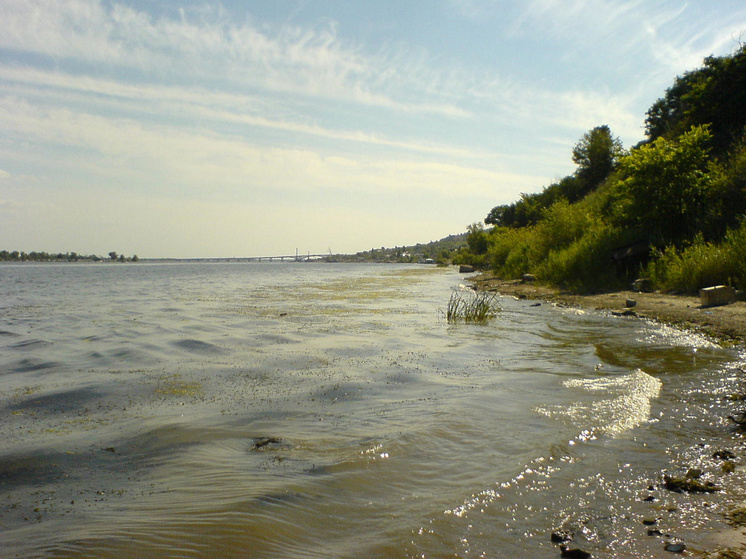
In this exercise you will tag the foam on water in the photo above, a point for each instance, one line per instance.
(624, 403)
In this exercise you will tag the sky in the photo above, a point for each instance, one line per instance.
(191, 129)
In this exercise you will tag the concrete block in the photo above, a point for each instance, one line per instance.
(717, 295)
(641, 285)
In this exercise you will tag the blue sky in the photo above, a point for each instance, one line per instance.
(245, 128)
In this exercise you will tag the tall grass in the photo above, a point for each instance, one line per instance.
(570, 247)
(702, 264)
(585, 265)
(472, 307)
(508, 251)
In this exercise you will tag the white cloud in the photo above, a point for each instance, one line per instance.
(676, 34)
(305, 61)
(195, 104)
(582, 22)
(128, 150)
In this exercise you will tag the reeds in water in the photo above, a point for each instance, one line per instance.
(472, 306)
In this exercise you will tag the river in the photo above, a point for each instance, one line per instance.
(207, 409)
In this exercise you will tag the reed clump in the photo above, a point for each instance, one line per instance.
(474, 307)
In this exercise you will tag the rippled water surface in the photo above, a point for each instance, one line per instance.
(325, 410)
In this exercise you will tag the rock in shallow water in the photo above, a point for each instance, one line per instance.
(574, 553)
(562, 536)
(689, 485)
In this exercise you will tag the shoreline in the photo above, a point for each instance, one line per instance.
(726, 323)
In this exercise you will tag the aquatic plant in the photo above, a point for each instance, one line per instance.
(173, 385)
(472, 306)
(737, 517)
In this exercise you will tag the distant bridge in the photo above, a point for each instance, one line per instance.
(281, 258)
(292, 258)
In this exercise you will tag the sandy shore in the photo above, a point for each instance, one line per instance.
(726, 323)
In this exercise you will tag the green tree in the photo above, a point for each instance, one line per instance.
(595, 154)
(476, 239)
(502, 216)
(664, 186)
(714, 94)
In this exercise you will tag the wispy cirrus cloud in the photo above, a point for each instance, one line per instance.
(678, 34)
(308, 61)
(193, 159)
(150, 100)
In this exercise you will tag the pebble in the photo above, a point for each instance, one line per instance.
(655, 532)
(561, 536)
(723, 455)
(574, 553)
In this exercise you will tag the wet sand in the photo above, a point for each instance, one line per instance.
(726, 323)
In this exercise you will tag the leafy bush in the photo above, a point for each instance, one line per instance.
(667, 186)
(508, 251)
(548, 248)
(683, 188)
(465, 256)
(585, 265)
(702, 264)
(563, 224)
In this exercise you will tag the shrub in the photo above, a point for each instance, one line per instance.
(585, 265)
(563, 224)
(702, 264)
(570, 248)
(508, 251)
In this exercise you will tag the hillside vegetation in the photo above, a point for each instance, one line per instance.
(671, 209)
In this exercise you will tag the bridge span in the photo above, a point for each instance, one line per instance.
(290, 258)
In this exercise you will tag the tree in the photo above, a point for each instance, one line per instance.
(526, 211)
(595, 155)
(502, 216)
(714, 94)
(476, 239)
(113, 256)
(665, 186)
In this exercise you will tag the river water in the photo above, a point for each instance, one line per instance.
(329, 410)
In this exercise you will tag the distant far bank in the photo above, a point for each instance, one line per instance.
(35, 256)
(440, 252)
